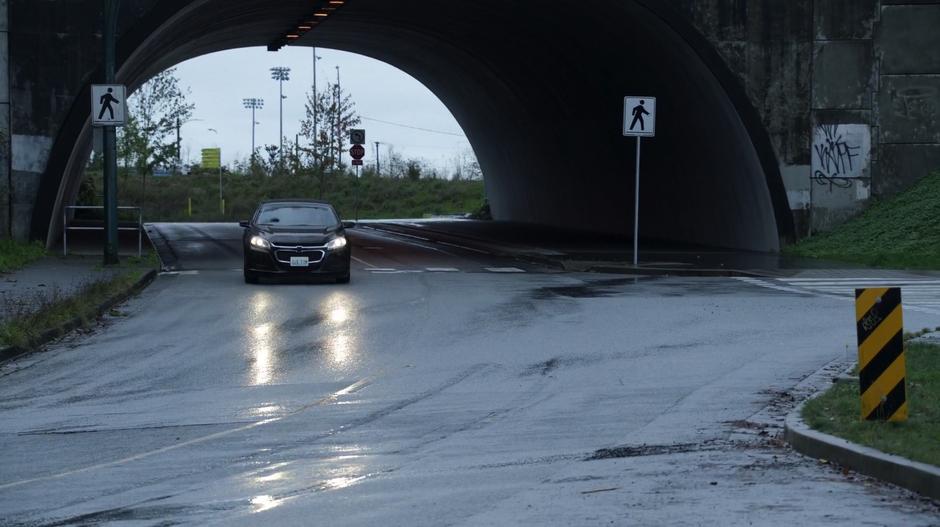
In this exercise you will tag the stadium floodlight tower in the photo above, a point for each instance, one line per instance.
(281, 74)
(253, 104)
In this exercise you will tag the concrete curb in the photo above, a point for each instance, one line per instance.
(76, 322)
(912, 475)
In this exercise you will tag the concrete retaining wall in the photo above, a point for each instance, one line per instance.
(6, 180)
(848, 92)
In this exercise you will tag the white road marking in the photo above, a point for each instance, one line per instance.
(504, 270)
(382, 269)
(396, 233)
(894, 280)
(471, 249)
(917, 295)
(188, 273)
(363, 262)
(352, 388)
(443, 270)
(394, 271)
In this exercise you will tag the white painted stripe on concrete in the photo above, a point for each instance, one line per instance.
(363, 262)
(504, 270)
(471, 249)
(443, 270)
(894, 280)
(769, 285)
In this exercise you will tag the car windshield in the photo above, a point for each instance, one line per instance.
(294, 215)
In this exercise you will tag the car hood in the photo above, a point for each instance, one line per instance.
(297, 236)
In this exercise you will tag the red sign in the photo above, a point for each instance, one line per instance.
(357, 152)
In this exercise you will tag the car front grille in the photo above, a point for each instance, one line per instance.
(284, 254)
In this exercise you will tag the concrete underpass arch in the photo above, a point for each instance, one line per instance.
(538, 90)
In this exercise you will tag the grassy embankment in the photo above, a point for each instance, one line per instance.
(15, 255)
(32, 320)
(837, 412)
(900, 232)
(167, 198)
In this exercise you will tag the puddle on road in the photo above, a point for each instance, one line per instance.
(662, 286)
(592, 289)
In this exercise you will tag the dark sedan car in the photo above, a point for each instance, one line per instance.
(295, 238)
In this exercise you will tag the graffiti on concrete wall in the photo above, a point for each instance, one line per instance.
(840, 181)
(841, 154)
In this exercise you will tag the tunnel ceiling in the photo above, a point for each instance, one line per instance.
(538, 88)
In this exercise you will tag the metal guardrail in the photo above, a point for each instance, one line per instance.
(66, 228)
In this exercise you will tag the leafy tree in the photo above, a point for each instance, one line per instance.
(336, 114)
(155, 110)
(413, 169)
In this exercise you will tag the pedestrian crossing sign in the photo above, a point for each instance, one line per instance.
(108, 105)
(639, 117)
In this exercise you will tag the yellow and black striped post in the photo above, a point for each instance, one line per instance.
(880, 326)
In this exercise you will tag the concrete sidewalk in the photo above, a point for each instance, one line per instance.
(56, 276)
(52, 278)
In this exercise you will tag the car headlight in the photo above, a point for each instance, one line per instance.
(258, 242)
(336, 243)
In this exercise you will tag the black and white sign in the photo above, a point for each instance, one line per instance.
(108, 105)
(639, 117)
(357, 136)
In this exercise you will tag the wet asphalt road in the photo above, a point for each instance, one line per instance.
(443, 386)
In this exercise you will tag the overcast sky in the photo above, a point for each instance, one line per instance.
(218, 83)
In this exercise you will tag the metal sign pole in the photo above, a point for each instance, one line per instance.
(357, 192)
(110, 138)
(636, 209)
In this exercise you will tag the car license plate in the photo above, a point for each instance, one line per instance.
(299, 261)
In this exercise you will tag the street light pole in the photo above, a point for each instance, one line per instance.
(253, 104)
(339, 118)
(316, 114)
(378, 166)
(109, 39)
(281, 74)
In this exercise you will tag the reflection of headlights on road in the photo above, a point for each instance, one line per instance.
(257, 242)
(337, 243)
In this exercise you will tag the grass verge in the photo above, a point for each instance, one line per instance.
(15, 255)
(899, 232)
(169, 198)
(57, 313)
(837, 412)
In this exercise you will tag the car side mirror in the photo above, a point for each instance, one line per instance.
(244, 224)
(349, 224)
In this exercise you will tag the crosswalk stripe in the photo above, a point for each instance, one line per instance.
(921, 295)
(443, 270)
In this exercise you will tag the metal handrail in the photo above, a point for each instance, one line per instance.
(66, 228)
